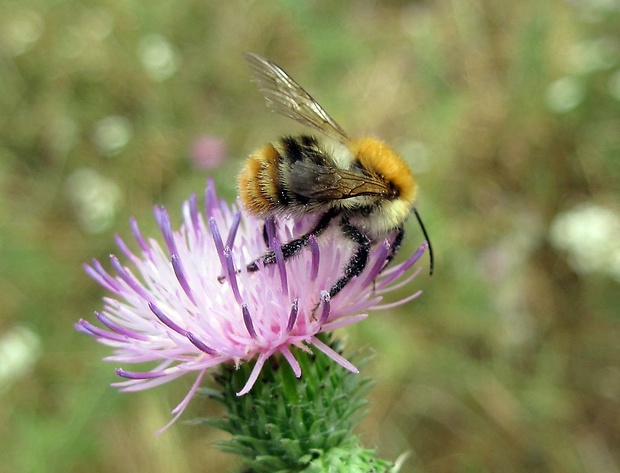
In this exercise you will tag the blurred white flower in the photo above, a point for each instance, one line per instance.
(590, 234)
(97, 23)
(112, 134)
(21, 31)
(158, 57)
(95, 198)
(565, 94)
(20, 348)
(593, 55)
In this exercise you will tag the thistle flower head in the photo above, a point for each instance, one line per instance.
(190, 304)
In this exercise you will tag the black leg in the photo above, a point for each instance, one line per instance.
(358, 261)
(293, 247)
(266, 236)
(395, 245)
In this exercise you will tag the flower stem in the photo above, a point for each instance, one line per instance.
(286, 424)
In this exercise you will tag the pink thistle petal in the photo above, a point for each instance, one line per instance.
(397, 271)
(217, 240)
(211, 201)
(293, 315)
(379, 264)
(232, 275)
(400, 284)
(232, 233)
(161, 215)
(200, 345)
(330, 326)
(128, 278)
(89, 329)
(192, 210)
(125, 249)
(165, 320)
(247, 320)
(137, 235)
(262, 358)
(291, 361)
(397, 303)
(119, 329)
(136, 375)
(326, 306)
(314, 251)
(180, 408)
(341, 360)
(101, 276)
(177, 266)
(277, 250)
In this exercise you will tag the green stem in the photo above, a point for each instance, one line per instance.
(286, 424)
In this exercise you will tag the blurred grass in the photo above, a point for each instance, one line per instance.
(509, 112)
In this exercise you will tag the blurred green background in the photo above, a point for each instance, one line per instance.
(509, 113)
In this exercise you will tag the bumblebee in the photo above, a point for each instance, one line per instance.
(359, 183)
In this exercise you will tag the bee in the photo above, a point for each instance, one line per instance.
(360, 184)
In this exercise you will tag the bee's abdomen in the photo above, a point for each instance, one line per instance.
(301, 148)
(260, 183)
(266, 187)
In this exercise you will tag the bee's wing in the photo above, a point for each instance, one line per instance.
(324, 183)
(286, 97)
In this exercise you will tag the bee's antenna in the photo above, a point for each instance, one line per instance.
(430, 248)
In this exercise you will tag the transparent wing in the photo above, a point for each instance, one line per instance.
(325, 183)
(286, 97)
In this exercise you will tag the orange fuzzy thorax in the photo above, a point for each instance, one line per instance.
(376, 156)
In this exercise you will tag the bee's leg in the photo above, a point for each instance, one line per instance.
(293, 247)
(268, 232)
(265, 237)
(398, 240)
(358, 261)
(269, 229)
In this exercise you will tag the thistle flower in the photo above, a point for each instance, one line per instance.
(191, 305)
